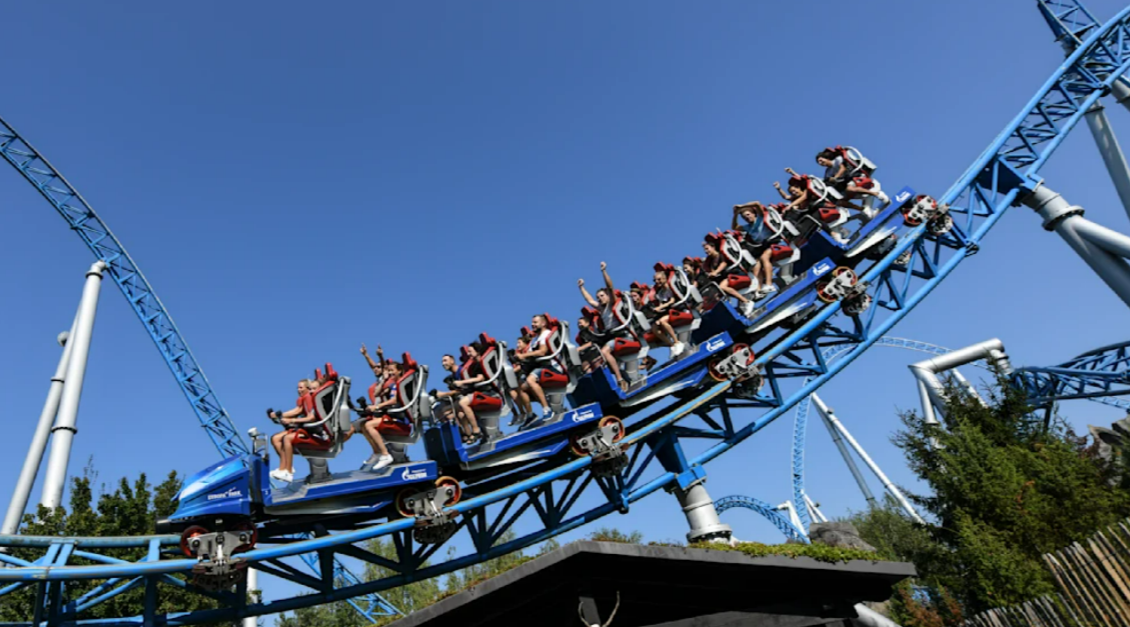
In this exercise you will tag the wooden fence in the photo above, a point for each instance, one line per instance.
(1093, 578)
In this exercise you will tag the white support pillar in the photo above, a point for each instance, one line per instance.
(852, 467)
(1102, 249)
(64, 431)
(827, 414)
(26, 480)
(1110, 151)
(701, 515)
(252, 588)
(814, 509)
(930, 386)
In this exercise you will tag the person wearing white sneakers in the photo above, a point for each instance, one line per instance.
(281, 440)
(378, 422)
(661, 306)
(758, 241)
(836, 176)
(715, 268)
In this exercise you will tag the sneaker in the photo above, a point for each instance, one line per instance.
(546, 414)
(382, 461)
(286, 476)
(747, 308)
(278, 474)
(530, 421)
(767, 290)
(369, 462)
(678, 349)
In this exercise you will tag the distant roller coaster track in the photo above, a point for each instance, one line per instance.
(550, 500)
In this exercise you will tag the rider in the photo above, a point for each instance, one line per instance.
(661, 306)
(533, 361)
(588, 341)
(605, 303)
(836, 176)
(664, 334)
(376, 424)
(282, 440)
(714, 266)
(471, 373)
(521, 397)
(447, 414)
(758, 240)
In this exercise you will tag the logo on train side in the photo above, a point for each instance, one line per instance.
(411, 474)
(821, 268)
(902, 196)
(230, 493)
(714, 344)
(581, 416)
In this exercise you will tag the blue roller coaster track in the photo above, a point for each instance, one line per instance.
(768, 511)
(569, 495)
(142, 298)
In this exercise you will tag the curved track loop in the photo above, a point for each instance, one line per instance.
(550, 499)
(1093, 375)
(768, 511)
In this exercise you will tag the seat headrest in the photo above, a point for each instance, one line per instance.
(317, 374)
(640, 287)
(799, 181)
(408, 363)
(694, 261)
(662, 266)
(464, 355)
(551, 322)
(525, 331)
(331, 374)
(715, 239)
(487, 341)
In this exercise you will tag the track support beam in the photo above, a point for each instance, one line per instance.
(64, 431)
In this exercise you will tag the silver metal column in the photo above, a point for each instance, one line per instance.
(252, 588)
(701, 515)
(846, 454)
(34, 457)
(827, 414)
(930, 385)
(1111, 152)
(64, 431)
(1101, 248)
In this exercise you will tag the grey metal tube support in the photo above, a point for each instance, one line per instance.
(817, 515)
(1109, 149)
(1067, 221)
(968, 386)
(852, 466)
(828, 415)
(701, 515)
(64, 430)
(870, 618)
(930, 385)
(26, 480)
(252, 587)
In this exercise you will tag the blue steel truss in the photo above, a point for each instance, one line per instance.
(1069, 20)
(781, 522)
(127, 275)
(1100, 373)
(539, 506)
(98, 237)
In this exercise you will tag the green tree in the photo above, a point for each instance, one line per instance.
(131, 509)
(611, 534)
(1003, 491)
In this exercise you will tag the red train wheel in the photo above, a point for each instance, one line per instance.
(186, 538)
(575, 446)
(402, 502)
(712, 369)
(444, 482)
(246, 525)
(610, 420)
(822, 294)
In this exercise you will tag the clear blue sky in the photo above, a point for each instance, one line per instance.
(295, 181)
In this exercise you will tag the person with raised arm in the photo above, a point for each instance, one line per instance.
(605, 303)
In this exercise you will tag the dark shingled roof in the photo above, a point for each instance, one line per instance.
(671, 586)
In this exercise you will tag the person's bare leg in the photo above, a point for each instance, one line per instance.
(287, 462)
(276, 441)
(766, 266)
(614, 366)
(469, 413)
(732, 292)
(668, 330)
(539, 393)
(375, 437)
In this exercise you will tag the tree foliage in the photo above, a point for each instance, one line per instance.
(132, 509)
(1003, 491)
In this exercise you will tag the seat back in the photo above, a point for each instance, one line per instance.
(410, 404)
(857, 164)
(332, 418)
(686, 294)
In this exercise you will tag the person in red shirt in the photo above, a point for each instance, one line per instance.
(281, 440)
(376, 424)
